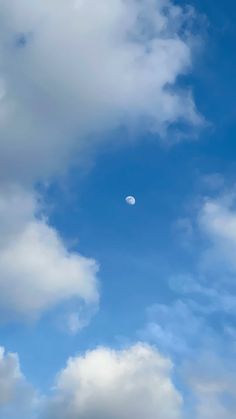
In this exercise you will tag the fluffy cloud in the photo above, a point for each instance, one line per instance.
(104, 383)
(71, 69)
(37, 271)
(17, 398)
(111, 384)
(116, 384)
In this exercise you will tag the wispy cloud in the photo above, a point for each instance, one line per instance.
(197, 328)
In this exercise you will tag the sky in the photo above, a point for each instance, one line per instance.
(111, 311)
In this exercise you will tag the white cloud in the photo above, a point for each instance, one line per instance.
(197, 329)
(74, 323)
(37, 271)
(16, 396)
(72, 69)
(119, 384)
(174, 328)
(10, 376)
(214, 387)
(217, 221)
(211, 285)
(211, 294)
(110, 384)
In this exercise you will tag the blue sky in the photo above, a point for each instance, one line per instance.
(79, 133)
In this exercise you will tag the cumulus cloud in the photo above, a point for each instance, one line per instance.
(37, 271)
(72, 69)
(17, 397)
(110, 384)
(117, 384)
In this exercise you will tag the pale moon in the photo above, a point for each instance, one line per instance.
(130, 200)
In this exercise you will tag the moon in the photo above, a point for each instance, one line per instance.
(130, 200)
